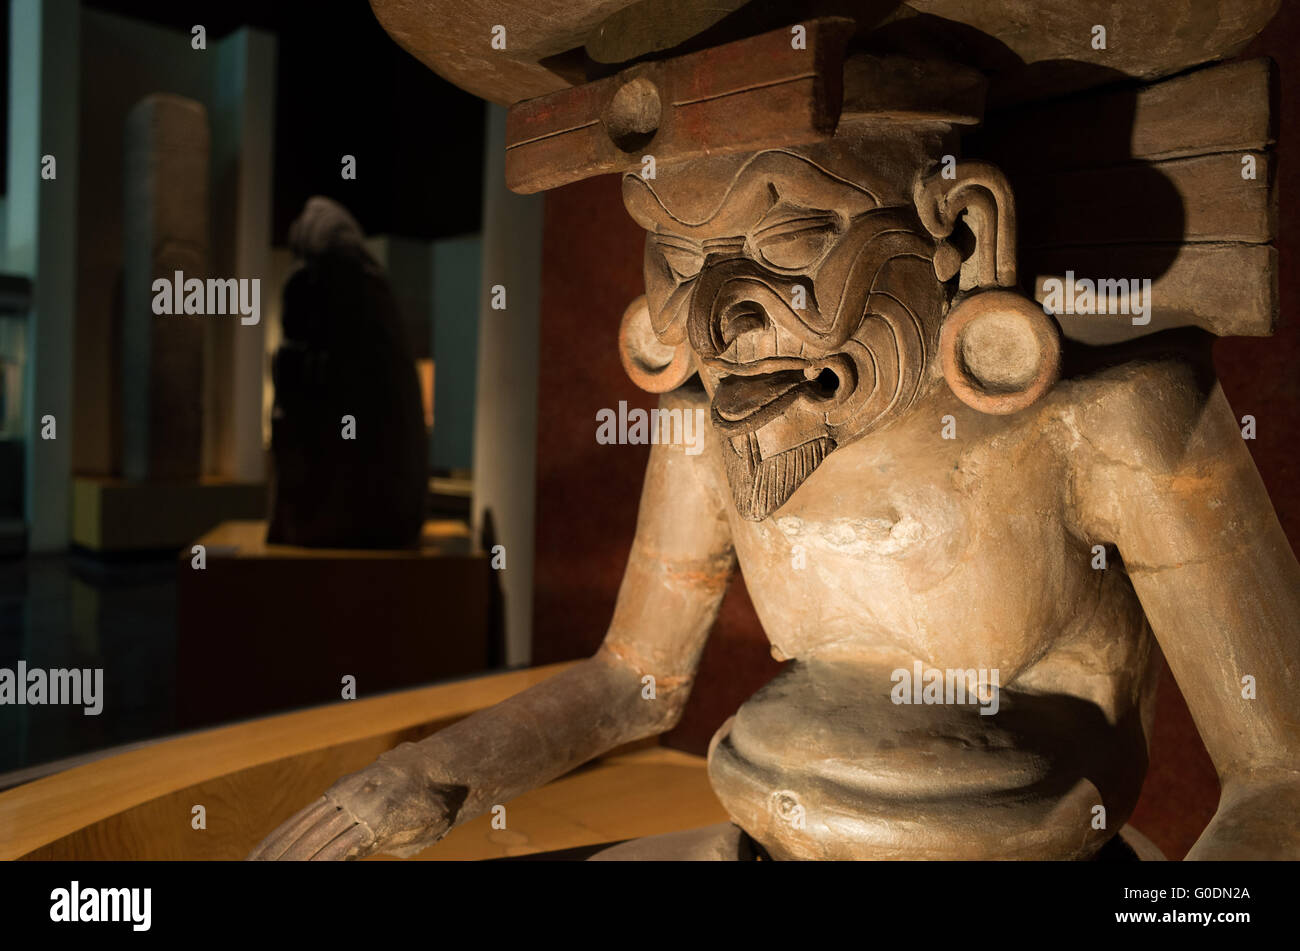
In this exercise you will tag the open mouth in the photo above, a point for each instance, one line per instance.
(748, 395)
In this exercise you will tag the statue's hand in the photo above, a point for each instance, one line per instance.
(322, 831)
(389, 806)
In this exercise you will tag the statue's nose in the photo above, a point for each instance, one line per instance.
(740, 318)
(737, 298)
(741, 307)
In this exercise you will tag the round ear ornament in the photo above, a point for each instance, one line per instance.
(652, 365)
(1000, 351)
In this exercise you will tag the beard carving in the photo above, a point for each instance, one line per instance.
(811, 312)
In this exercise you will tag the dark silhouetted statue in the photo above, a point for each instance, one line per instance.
(347, 430)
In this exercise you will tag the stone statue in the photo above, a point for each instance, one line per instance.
(347, 429)
(166, 172)
(970, 537)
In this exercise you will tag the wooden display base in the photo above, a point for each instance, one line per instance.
(112, 516)
(253, 776)
(272, 627)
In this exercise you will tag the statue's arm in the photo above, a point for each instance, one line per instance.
(1172, 482)
(674, 582)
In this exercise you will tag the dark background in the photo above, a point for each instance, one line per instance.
(344, 87)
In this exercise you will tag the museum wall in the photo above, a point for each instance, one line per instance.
(587, 493)
(123, 61)
(115, 76)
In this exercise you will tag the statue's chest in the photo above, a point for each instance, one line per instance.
(907, 534)
(930, 552)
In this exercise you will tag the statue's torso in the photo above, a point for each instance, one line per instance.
(905, 547)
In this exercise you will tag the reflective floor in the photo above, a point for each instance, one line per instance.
(67, 611)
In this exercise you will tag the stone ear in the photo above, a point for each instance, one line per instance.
(652, 365)
(980, 192)
(1000, 351)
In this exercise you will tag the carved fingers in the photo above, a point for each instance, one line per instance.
(390, 806)
(403, 809)
(322, 831)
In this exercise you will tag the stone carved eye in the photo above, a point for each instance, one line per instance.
(682, 258)
(797, 244)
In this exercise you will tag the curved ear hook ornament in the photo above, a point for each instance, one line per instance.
(652, 365)
(982, 193)
(1000, 351)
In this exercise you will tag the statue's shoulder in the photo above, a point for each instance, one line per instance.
(1136, 403)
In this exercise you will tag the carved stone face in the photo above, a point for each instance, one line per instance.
(806, 292)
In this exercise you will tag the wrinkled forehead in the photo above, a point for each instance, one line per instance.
(728, 195)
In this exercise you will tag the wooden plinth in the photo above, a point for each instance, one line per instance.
(273, 627)
(252, 776)
(115, 516)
